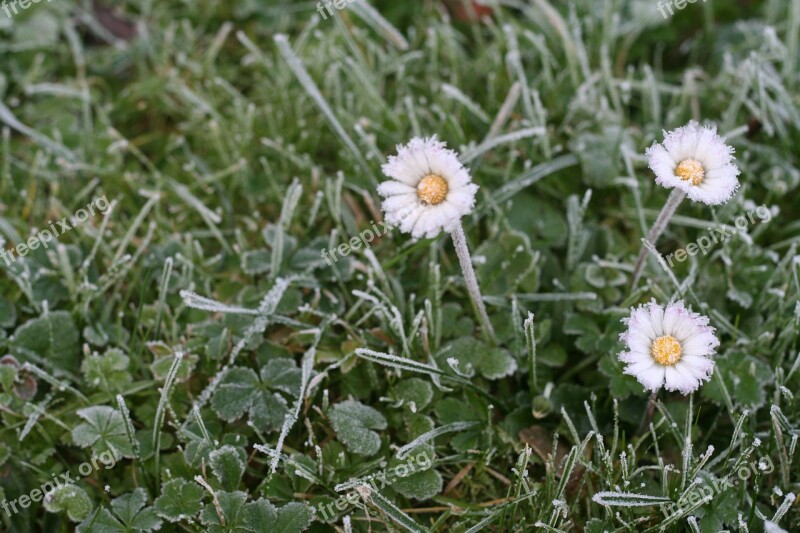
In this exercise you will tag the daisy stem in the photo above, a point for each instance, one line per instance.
(648, 415)
(674, 200)
(460, 243)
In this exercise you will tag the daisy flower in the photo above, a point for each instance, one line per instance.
(668, 347)
(697, 161)
(693, 161)
(429, 190)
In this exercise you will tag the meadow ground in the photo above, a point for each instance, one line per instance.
(207, 324)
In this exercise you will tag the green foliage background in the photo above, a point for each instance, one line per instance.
(228, 177)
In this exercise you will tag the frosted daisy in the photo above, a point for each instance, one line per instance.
(668, 347)
(692, 161)
(429, 190)
(695, 160)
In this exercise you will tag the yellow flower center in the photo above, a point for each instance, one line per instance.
(432, 189)
(666, 350)
(691, 169)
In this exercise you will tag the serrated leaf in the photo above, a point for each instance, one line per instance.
(71, 499)
(230, 504)
(282, 374)
(228, 464)
(52, 337)
(234, 395)
(179, 500)
(108, 372)
(419, 485)
(490, 362)
(103, 430)
(353, 422)
(414, 392)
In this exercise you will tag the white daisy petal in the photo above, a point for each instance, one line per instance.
(668, 347)
(429, 190)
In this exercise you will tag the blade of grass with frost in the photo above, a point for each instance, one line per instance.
(473, 107)
(296, 65)
(99, 239)
(391, 314)
(514, 59)
(287, 212)
(530, 344)
(505, 111)
(34, 416)
(306, 368)
(130, 432)
(520, 472)
(401, 363)
(196, 301)
(59, 385)
(394, 513)
(162, 406)
(569, 465)
(687, 452)
(8, 118)
(404, 451)
(163, 287)
(373, 18)
(300, 469)
(134, 227)
(210, 218)
(494, 142)
(578, 237)
(529, 178)
(628, 499)
(779, 422)
(291, 418)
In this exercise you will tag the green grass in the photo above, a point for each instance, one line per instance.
(182, 328)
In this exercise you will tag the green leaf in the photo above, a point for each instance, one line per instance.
(235, 393)
(353, 422)
(227, 465)
(160, 367)
(52, 337)
(71, 499)
(293, 517)
(510, 263)
(230, 504)
(414, 392)
(179, 500)
(473, 354)
(103, 430)
(108, 372)
(282, 374)
(419, 485)
(268, 411)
